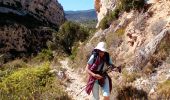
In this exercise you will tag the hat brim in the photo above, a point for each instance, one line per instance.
(101, 49)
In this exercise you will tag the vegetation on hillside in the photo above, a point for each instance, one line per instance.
(44, 55)
(70, 34)
(89, 23)
(86, 18)
(25, 82)
(122, 5)
(131, 93)
(164, 90)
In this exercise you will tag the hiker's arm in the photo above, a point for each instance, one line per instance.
(89, 63)
(97, 76)
(113, 67)
(111, 64)
(89, 71)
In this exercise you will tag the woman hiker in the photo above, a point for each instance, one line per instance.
(98, 74)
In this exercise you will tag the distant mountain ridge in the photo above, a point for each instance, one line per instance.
(82, 15)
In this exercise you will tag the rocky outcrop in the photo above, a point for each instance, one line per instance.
(139, 41)
(145, 53)
(151, 1)
(46, 11)
(26, 25)
(102, 7)
(17, 38)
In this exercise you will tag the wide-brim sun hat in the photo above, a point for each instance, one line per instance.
(101, 46)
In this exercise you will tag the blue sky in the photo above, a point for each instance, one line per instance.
(77, 4)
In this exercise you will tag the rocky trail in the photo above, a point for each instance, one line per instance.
(74, 85)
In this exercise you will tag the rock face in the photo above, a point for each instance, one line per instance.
(151, 1)
(16, 38)
(146, 52)
(48, 11)
(139, 41)
(25, 24)
(102, 7)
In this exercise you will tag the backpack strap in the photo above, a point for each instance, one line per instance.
(107, 58)
(96, 54)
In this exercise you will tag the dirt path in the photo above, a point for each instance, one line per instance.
(76, 84)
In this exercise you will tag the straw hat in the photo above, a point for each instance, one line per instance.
(101, 46)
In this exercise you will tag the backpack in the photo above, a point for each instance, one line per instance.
(95, 52)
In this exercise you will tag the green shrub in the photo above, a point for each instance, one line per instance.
(89, 23)
(44, 55)
(122, 5)
(31, 83)
(106, 21)
(127, 5)
(70, 33)
(8, 68)
(113, 14)
(74, 52)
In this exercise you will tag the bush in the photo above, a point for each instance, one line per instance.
(106, 21)
(130, 77)
(74, 52)
(8, 68)
(131, 93)
(148, 69)
(44, 55)
(31, 83)
(123, 5)
(70, 33)
(51, 45)
(120, 32)
(127, 5)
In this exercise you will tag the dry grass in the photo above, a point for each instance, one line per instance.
(131, 93)
(156, 60)
(130, 77)
(115, 39)
(148, 69)
(164, 90)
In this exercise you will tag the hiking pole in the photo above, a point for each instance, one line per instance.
(108, 69)
(81, 91)
(84, 87)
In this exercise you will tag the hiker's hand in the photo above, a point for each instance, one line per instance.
(119, 69)
(97, 76)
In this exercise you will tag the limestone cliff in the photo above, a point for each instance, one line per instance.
(139, 41)
(102, 7)
(48, 11)
(25, 25)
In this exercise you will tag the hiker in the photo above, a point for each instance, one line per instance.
(98, 76)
